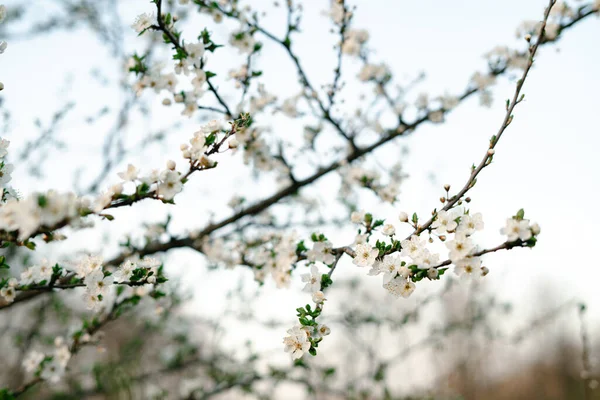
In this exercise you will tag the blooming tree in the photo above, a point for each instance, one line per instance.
(285, 237)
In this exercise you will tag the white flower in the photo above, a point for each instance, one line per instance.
(353, 40)
(400, 287)
(444, 222)
(297, 342)
(153, 177)
(365, 255)
(321, 251)
(357, 217)
(412, 247)
(97, 283)
(459, 247)
(52, 371)
(388, 229)
(5, 173)
(88, 265)
(43, 272)
(130, 174)
(517, 229)
(32, 361)
(318, 297)
(4, 143)
(198, 81)
(376, 268)
(390, 267)
(403, 217)
(322, 331)
(470, 223)
(468, 267)
(337, 13)
(102, 201)
(27, 276)
(313, 280)
(170, 185)
(243, 41)
(427, 259)
(195, 51)
(62, 355)
(8, 293)
(124, 272)
(92, 300)
(21, 215)
(57, 207)
(360, 239)
(143, 21)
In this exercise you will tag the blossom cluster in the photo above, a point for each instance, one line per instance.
(6, 170)
(189, 63)
(50, 367)
(404, 262)
(356, 175)
(90, 273)
(41, 211)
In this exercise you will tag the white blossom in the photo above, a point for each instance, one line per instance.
(32, 361)
(52, 371)
(517, 229)
(470, 223)
(170, 184)
(297, 342)
(388, 229)
(143, 21)
(357, 217)
(8, 293)
(321, 251)
(444, 222)
(318, 297)
(124, 272)
(313, 280)
(130, 174)
(365, 255)
(459, 247)
(468, 267)
(412, 247)
(97, 283)
(400, 287)
(390, 267)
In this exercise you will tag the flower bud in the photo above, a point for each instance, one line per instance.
(171, 165)
(233, 143)
(117, 189)
(447, 187)
(403, 217)
(432, 273)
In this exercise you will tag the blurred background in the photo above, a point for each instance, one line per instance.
(526, 331)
